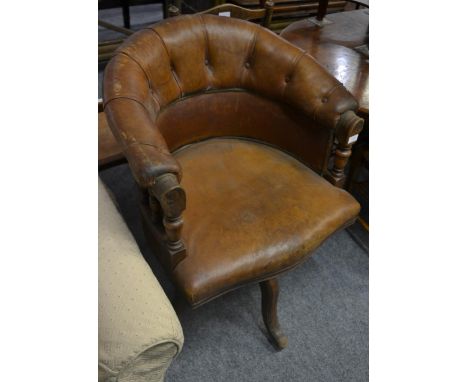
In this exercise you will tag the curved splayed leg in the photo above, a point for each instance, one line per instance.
(270, 291)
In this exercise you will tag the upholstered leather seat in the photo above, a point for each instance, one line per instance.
(222, 212)
(258, 213)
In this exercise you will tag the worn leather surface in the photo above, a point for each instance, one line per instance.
(242, 114)
(188, 55)
(252, 212)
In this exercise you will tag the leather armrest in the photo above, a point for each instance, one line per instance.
(152, 165)
(317, 93)
(143, 145)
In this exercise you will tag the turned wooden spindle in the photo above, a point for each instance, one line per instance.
(348, 128)
(268, 5)
(173, 11)
(342, 154)
(173, 227)
(171, 201)
(154, 208)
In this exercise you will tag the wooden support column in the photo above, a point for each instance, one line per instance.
(347, 131)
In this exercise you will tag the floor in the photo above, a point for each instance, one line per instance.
(323, 309)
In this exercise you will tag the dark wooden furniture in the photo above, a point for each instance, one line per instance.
(286, 12)
(230, 10)
(360, 3)
(334, 46)
(109, 151)
(228, 132)
(341, 46)
(106, 49)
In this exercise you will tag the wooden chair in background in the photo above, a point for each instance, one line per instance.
(231, 10)
(286, 12)
(126, 4)
(106, 48)
(360, 3)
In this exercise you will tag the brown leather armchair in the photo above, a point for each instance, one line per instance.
(228, 130)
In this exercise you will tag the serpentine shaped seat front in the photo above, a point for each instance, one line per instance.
(228, 130)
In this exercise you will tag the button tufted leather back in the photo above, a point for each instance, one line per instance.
(186, 55)
(195, 77)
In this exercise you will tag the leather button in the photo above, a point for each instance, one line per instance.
(247, 65)
(287, 79)
(207, 62)
(324, 100)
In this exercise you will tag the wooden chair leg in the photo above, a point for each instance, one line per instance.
(270, 293)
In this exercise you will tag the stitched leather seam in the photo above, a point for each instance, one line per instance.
(207, 49)
(205, 32)
(169, 56)
(159, 149)
(294, 66)
(123, 135)
(157, 101)
(141, 67)
(249, 56)
(253, 45)
(271, 274)
(313, 167)
(329, 93)
(226, 90)
(176, 78)
(204, 91)
(125, 97)
(296, 61)
(148, 77)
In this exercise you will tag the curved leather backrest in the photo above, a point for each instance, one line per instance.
(245, 115)
(186, 55)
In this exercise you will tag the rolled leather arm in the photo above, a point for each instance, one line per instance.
(317, 93)
(153, 167)
(143, 145)
(149, 162)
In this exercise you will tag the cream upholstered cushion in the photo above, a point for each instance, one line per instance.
(139, 333)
